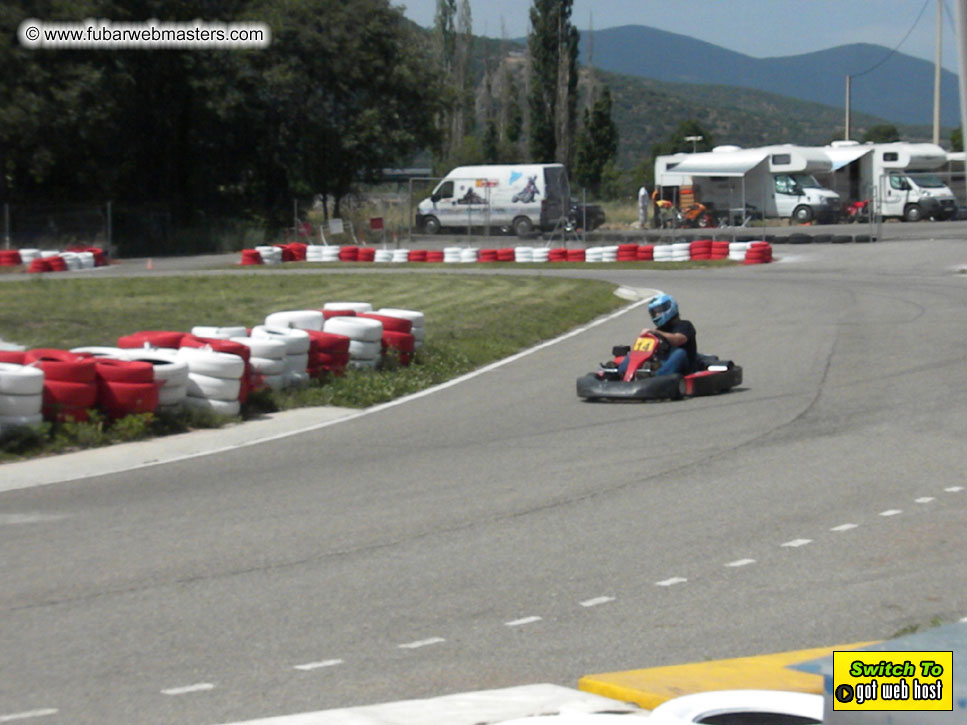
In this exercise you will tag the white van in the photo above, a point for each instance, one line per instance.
(905, 186)
(518, 197)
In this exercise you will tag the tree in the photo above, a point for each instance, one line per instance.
(553, 45)
(597, 144)
(881, 133)
(956, 140)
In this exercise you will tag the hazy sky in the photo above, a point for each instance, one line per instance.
(760, 28)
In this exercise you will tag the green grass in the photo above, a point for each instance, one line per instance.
(471, 320)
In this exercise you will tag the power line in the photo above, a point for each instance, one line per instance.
(897, 47)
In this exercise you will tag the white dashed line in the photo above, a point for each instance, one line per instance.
(28, 715)
(316, 665)
(596, 601)
(741, 562)
(924, 499)
(519, 622)
(671, 582)
(891, 512)
(200, 687)
(796, 543)
(954, 489)
(844, 527)
(422, 643)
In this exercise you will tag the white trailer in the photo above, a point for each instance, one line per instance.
(777, 181)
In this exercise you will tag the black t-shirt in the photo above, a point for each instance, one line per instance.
(687, 329)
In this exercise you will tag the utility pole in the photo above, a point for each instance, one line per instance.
(936, 74)
(846, 133)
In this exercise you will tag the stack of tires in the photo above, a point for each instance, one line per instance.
(125, 387)
(224, 345)
(451, 255)
(296, 319)
(348, 253)
(152, 338)
(21, 396)
(365, 338)
(267, 359)
(383, 256)
(523, 254)
(170, 374)
(576, 255)
(214, 379)
(700, 249)
(558, 254)
(328, 353)
(10, 258)
(70, 383)
(435, 255)
(416, 320)
(737, 251)
(720, 250)
(250, 257)
(758, 253)
(646, 253)
(270, 254)
(416, 255)
(397, 339)
(627, 253)
(296, 352)
(322, 253)
(593, 255)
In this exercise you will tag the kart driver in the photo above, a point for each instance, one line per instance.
(679, 333)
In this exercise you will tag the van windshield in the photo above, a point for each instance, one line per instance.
(927, 181)
(807, 181)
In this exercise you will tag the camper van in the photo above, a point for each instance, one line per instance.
(773, 181)
(517, 197)
(906, 187)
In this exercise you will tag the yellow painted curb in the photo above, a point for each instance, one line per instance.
(649, 688)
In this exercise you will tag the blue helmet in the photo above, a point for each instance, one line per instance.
(663, 309)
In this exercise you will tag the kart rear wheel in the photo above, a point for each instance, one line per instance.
(679, 390)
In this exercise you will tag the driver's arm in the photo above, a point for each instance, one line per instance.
(675, 339)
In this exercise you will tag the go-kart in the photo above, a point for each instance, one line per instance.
(639, 381)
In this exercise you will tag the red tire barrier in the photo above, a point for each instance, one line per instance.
(758, 253)
(298, 250)
(10, 258)
(506, 254)
(646, 252)
(576, 255)
(62, 365)
(152, 338)
(402, 344)
(250, 379)
(558, 254)
(118, 399)
(392, 324)
(67, 400)
(487, 255)
(719, 250)
(416, 255)
(326, 314)
(327, 342)
(12, 356)
(251, 257)
(39, 265)
(123, 371)
(57, 264)
(366, 254)
(627, 253)
(348, 254)
(434, 255)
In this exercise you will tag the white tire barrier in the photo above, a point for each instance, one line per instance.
(383, 256)
(541, 254)
(363, 350)
(205, 386)
(12, 422)
(29, 255)
(262, 347)
(20, 406)
(400, 256)
(219, 333)
(469, 255)
(322, 253)
(169, 370)
(87, 260)
(270, 254)
(663, 253)
(296, 341)
(221, 407)
(170, 396)
(523, 254)
(298, 319)
(416, 317)
(266, 366)
(365, 337)
(737, 251)
(201, 361)
(452, 255)
(118, 353)
(593, 255)
(354, 306)
(20, 380)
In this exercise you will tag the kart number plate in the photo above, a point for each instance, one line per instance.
(645, 344)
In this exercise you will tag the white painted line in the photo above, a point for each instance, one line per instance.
(27, 715)
(924, 499)
(796, 543)
(200, 687)
(519, 622)
(844, 527)
(422, 643)
(316, 665)
(671, 582)
(954, 489)
(741, 562)
(596, 601)
(891, 512)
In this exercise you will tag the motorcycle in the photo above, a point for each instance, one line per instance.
(640, 380)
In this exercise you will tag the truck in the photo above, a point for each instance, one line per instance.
(522, 198)
(736, 183)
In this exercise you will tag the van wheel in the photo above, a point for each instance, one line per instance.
(431, 225)
(523, 227)
(912, 213)
(802, 214)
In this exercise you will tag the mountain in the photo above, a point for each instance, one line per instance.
(899, 89)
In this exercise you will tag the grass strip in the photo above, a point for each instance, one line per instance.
(471, 320)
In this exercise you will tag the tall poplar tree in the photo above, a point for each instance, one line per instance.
(553, 48)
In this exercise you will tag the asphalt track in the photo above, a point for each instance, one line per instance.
(501, 532)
